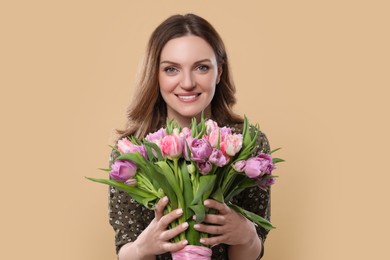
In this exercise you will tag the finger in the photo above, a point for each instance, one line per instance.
(221, 207)
(170, 217)
(212, 230)
(160, 206)
(173, 247)
(212, 241)
(171, 233)
(215, 219)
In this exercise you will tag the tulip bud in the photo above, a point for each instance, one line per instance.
(191, 168)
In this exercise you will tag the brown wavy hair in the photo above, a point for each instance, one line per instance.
(148, 110)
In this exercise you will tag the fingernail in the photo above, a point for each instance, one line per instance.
(202, 240)
(194, 217)
(165, 199)
(179, 211)
(184, 225)
(196, 226)
(206, 202)
(185, 242)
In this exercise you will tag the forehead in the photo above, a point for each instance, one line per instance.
(188, 48)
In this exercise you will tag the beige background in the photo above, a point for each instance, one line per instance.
(314, 74)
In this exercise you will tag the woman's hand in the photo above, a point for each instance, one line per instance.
(231, 228)
(155, 239)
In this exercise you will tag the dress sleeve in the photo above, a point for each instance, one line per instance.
(255, 199)
(127, 217)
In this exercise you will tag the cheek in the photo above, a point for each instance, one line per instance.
(208, 82)
(167, 84)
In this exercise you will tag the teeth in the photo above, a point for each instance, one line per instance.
(187, 97)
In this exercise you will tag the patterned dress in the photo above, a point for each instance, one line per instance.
(129, 218)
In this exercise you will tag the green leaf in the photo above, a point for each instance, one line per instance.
(106, 170)
(155, 174)
(277, 160)
(252, 217)
(245, 132)
(194, 129)
(239, 185)
(187, 185)
(172, 182)
(135, 140)
(201, 126)
(218, 195)
(274, 150)
(200, 212)
(150, 147)
(168, 127)
(141, 196)
(206, 184)
(192, 235)
(114, 148)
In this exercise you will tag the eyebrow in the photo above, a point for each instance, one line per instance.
(175, 63)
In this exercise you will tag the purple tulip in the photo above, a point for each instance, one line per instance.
(123, 170)
(266, 163)
(267, 183)
(239, 166)
(204, 167)
(259, 165)
(200, 150)
(218, 158)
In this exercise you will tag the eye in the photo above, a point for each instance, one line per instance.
(170, 70)
(203, 68)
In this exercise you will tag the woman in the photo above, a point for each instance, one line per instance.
(186, 71)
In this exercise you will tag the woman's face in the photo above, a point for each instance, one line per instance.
(188, 73)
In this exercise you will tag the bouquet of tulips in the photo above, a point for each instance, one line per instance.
(190, 165)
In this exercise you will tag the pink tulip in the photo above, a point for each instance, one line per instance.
(233, 144)
(158, 135)
(186, 150)
(213, 137)
(211, 126)
(125, 146)
(185, 132)
(131, 182)
(123, 170)
(172, 146)
(225, 131)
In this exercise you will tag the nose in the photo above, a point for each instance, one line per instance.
(187, 81)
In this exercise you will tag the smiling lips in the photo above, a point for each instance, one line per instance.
(188, 98)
